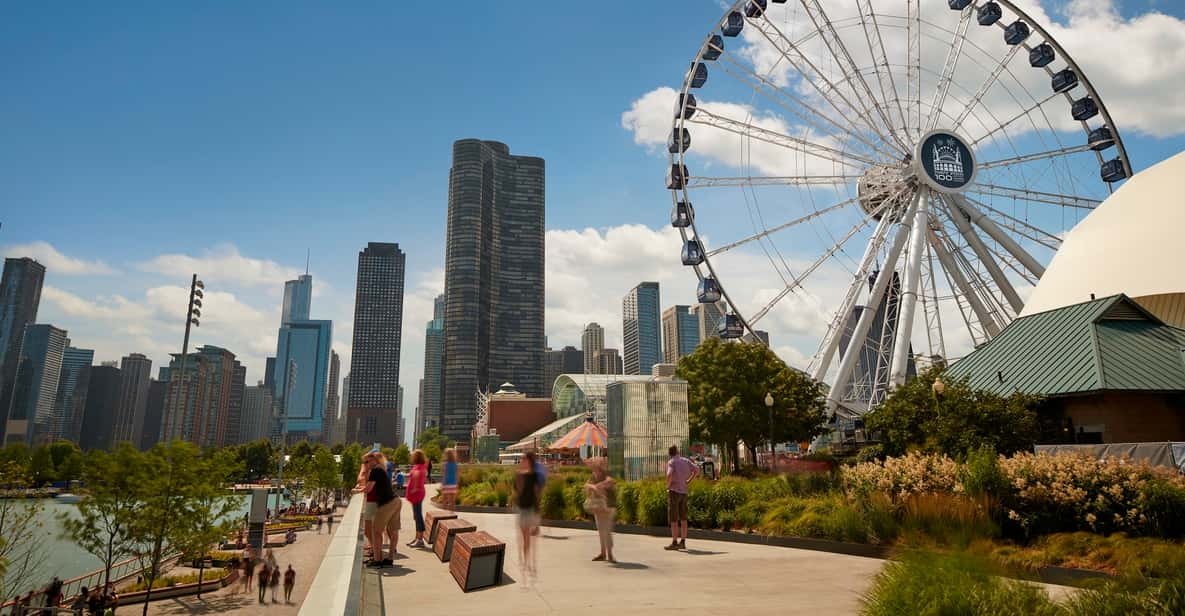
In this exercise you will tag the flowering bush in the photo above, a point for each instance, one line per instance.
(1037, 494)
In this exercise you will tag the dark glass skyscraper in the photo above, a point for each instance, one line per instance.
(35, 388)
(102, 402)
(373, 413)
(136, 370)
(71, 400)
(20, 293)
(433, 382)
(640, 329)
(493, 321)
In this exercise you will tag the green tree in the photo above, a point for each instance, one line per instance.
(432, 451)
(402, 454)
(257, 459)
(16, 453)
(351, 461)
(106, 516)
(167, 492)
(61, 452)
(22, 542)
(41, 466)
(958, 422)
(727, 386)
(323, 473)
(209, 510)
(432, 435)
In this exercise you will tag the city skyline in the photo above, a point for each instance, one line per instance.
(381, 178)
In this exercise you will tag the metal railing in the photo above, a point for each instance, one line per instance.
(120, 572)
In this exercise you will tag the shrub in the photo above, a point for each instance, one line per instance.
(825, 517)
(701, 511)
(981, 475)
(1163, 504)
(725, 520)
(652, 505)
(730, 493)
(871, 453)
(1141, 557)
(552, 505)
(950, 584)
(749, 515)
(170, 581)
(951, 520)
(627, 502)
(574, 502)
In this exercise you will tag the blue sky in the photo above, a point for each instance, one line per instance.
(144, 139)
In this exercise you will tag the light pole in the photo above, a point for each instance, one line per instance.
(192, 314)
(769, 404)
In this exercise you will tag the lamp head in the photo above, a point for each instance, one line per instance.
(938, 387)
(769, 399)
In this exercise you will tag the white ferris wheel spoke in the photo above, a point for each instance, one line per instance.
(700, 181)
(876, 49)
(913, 65)
(993, 230)
(948, 69)
(704, 117)
(1023, 113)
(935, 341)
(1031, 232)
(1028, 194)
(1025, 158)
(782, 227)
(960, 283)
(908, 298)
(987, 84)
(985, 258)
(847, 65)
(797, 59)
(801, 110)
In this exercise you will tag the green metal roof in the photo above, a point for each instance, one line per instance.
(1108, 344)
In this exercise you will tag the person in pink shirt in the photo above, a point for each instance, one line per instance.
(680, 472)
(415, 494)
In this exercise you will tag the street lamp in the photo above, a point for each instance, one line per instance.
(938, 387)
(192, 317)
(769, 404)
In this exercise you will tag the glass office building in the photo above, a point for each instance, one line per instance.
(307, 344)
(641, 329)
(645, 417)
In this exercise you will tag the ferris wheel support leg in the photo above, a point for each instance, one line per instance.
(831, 342)
(956, 275)
(909, 292)
(990, 227)
(864, 323)
(985, 256)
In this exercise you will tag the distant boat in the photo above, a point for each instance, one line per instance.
(67, 498)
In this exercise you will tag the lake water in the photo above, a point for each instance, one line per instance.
(66, 560)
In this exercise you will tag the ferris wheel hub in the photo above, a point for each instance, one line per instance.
(944, 161)
(881, 182)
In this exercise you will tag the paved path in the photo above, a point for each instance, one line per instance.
(304, 555)
(710, 577)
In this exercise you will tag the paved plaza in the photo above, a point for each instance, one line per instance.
(305, 556)
(710, 577)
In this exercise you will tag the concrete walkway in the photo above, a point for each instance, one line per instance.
(305, 556)
(710, 577)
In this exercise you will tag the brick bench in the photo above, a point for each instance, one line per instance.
(446, 534)
(431, 518)
(477, 560)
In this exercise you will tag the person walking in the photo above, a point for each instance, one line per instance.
(386, 517)
(329, 523)
(289, 582)
(680, 471)
(449, 483)
(265, 576)
(275, 582)
(249, 564)
(270, 559)
(527, 492)
(600, 499)
(416, 493)
(319, 523)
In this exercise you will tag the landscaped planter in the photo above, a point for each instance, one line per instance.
(180, 590)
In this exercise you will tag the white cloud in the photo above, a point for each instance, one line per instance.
(56, 262)
(223, 264)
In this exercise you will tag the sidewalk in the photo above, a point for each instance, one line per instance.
(710, 577)
(304, 555)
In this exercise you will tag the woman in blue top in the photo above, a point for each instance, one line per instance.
(448, 484)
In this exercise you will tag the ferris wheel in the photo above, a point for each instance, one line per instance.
(881, 182)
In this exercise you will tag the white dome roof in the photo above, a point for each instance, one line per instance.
(1132, 243)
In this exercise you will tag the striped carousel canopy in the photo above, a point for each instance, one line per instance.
(587, 433)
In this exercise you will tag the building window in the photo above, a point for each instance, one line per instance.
(372, 425)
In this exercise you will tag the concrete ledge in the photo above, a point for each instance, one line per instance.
(336, 587)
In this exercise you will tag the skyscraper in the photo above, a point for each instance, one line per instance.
(373, 412)
(591, 343)
(680, 333)
(70, 403)
(136, 372)
(609, 362)
(332, 401)
(20, 294)
(433, 382)
(344, 426)
(307, 343)
(568, 360)
(102, 403)
(35, 388)
(153, 411)
(399, 413)
(255, 421)
(757, 335)
(197, 406)
(234, 414)
(493, 279)
(298, 299)
(707, 317)
(640, 329)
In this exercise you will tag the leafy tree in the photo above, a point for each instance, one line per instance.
(257, 459)
(209, 509)
(168, 491)
(22, 543)
(956, 423)
(300, 451)
(106, 516)
(727, 385)
(432, 435)
(16, 453)
(323, 473)
(402, 454)
(72, 467)
(432, 451)
(41, 466)
(351, 461)
(61, 452)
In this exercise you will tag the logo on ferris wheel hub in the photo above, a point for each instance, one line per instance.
(945, 161)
